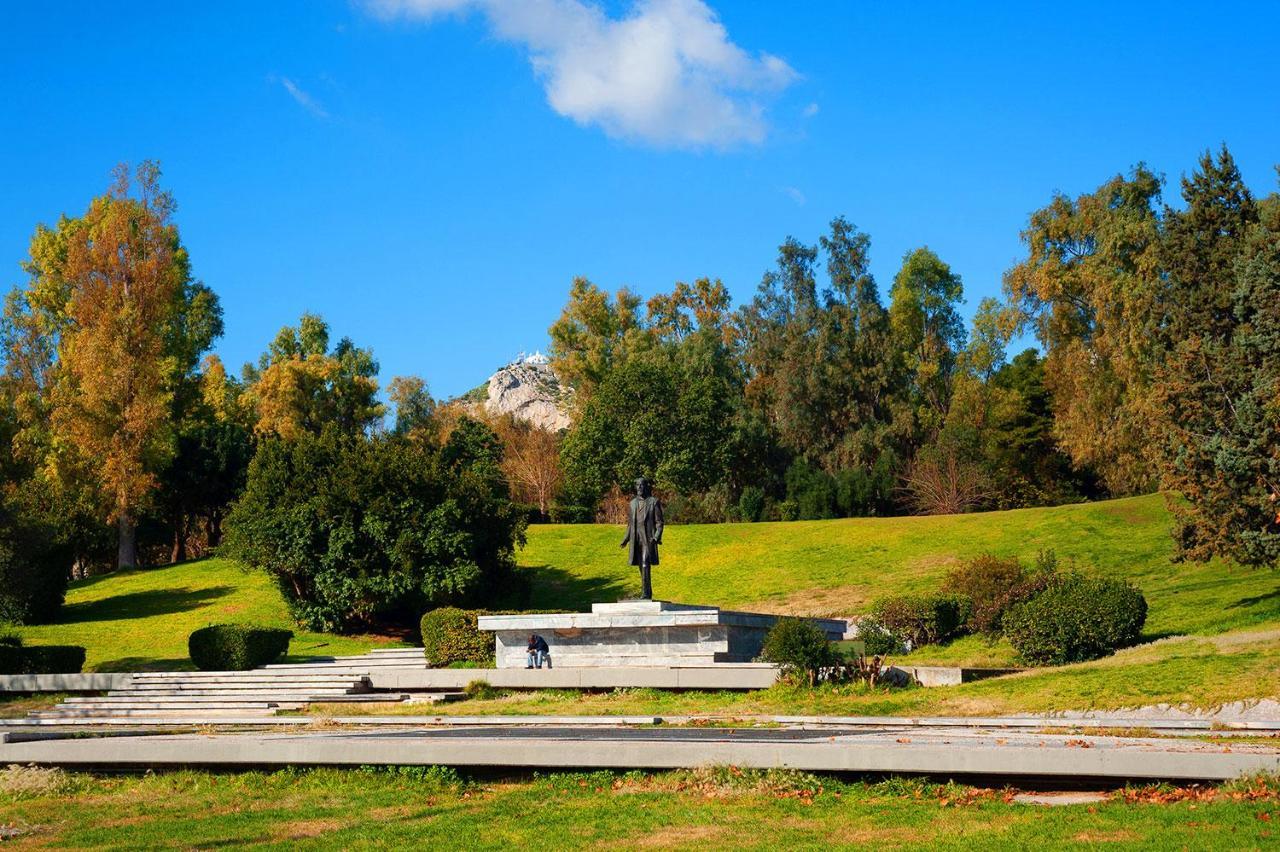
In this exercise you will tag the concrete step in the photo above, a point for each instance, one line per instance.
(208, 699)
(255, 677)
(200, 713)
(247, 690)
(173, 705)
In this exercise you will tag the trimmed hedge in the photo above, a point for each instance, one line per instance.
(923, 619)
(40, 659)
(236, 647)
(450, 635)
(1077, 618)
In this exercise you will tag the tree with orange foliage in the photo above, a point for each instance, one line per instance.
(530, 462)
(120, 326)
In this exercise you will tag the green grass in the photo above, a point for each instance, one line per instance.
(839, 567)
(710, 808)
(140, 620)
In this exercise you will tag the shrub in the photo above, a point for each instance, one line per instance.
(811, 490)
(481, 690)
(450, 635)
(562, 514)
(788, 510)
(751, 503)
(799, 646)
(878, 640)
(922, 619)
(993, 585)
(1076, 618)
(34, 566)
(40, 659)
(358, 530)
(236, 647)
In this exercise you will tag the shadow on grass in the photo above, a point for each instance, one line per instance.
(145, 664)
(141, 604)
(555, 588)
(1272, 596)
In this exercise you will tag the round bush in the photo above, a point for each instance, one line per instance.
(236, 647)
(450, 635)
(799, 646)
(1077, 618)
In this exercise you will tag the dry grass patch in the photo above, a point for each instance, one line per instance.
(671, 837)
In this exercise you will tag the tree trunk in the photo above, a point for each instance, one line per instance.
(179, 550)
(127, 554)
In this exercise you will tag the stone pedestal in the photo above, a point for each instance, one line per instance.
(639, 633)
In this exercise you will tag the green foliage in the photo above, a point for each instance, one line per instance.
(878, 640)
(35, 562)
(236, 647)
(40, 659)
(1216, 388)
(800, 647)
(450, 635)
(1076, 618)
(995, 584)
(481, 690)
(923, 619)
(357, 529)
(751, 504)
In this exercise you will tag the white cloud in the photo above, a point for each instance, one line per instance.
(795, 195)
(666, 73)
(305, 100)
(811, 110)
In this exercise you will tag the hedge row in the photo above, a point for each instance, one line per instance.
(40, 659)
(1049, 617)
(921, 619)
(236, 647)
(451, 635)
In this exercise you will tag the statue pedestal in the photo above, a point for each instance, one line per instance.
(638, 633)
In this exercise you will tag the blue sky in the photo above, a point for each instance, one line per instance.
(430, 174)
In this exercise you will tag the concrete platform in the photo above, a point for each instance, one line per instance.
(715, 676)
(1023, 756)
(639, 633)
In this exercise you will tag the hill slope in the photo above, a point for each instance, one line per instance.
(838, 567)
(140, 620)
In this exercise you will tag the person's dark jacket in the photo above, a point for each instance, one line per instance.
(539, 644)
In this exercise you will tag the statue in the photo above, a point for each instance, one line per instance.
(644, 533)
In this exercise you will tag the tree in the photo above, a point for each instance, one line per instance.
(1218, 392)
(103, 345)
(415, 409)
(360, 529)
(531, 462)
(928, 330)
(301, 386)
(1089, 287)
(593, 334)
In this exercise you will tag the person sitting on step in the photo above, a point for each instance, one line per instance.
(539, 653)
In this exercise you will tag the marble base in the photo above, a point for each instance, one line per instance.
(639, 633)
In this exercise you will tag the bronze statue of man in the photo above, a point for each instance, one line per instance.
(644, 533)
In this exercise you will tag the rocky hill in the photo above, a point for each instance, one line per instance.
(529, 390)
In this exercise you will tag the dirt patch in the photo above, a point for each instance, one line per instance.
(1119, 836)
(305, 828)
(676, 835)
(839, 602)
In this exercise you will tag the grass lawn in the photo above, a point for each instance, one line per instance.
(140, 620)
(709, 808)
(838, 567)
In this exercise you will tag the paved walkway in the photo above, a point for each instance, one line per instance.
(886, 749)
